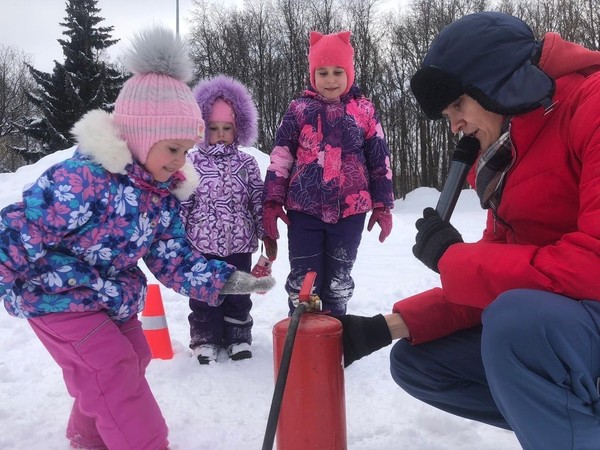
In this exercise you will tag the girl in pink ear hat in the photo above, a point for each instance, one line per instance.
(330, 166)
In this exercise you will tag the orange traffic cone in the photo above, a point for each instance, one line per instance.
(154, 324)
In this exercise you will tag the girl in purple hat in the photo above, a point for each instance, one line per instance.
(223, 217)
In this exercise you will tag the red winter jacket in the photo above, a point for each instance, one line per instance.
(547, 232)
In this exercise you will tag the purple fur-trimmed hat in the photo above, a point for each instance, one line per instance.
(236, 95)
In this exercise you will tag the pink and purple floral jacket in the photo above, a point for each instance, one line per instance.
(330, 160)
(74, 242)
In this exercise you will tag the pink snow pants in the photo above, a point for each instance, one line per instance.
(103, 367)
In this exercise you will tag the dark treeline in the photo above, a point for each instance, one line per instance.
(265, 43)
(38, 109)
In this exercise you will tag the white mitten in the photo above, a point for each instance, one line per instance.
(244, 283)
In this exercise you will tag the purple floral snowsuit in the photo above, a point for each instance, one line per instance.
(329, 167)
(223, 220)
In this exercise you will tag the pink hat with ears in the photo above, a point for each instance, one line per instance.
(222, 112)
(331, 50)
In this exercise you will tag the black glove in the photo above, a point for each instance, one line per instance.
(434, 238)
(363, 335)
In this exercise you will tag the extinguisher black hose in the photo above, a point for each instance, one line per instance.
(284, 368)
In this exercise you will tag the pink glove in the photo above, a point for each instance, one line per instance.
(270, 248)
(383, 217)
(271, 211)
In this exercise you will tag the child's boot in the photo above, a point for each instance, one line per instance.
(239, 351)
(237, 337)
(206, 331)
(206, 353)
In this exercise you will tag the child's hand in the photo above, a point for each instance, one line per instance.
(270, 248)
(272, 211)
(243, 283)
(262, 269)
(383, 217)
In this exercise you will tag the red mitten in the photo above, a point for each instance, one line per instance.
(383, 217)
(272, 211)
(262, 268)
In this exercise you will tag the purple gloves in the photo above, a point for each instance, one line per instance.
(383, 217)
(272, 211)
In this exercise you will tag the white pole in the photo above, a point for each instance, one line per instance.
(177, 17)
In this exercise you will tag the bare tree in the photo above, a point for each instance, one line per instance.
(15, 108)
(266, 70)
(265, 45)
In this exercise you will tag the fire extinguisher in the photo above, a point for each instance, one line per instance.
(308, 408)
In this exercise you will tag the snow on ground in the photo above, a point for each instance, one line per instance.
(226, 406)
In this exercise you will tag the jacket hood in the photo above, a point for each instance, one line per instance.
(489, 56)
(98, 137)
(238, 97)
(560, 57)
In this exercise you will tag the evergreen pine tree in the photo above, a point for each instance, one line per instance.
(82, 83)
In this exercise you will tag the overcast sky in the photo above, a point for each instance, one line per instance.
(33, 25)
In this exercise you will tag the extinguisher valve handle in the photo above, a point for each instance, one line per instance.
(315, 303)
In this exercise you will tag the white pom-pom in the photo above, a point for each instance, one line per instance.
(157, 49)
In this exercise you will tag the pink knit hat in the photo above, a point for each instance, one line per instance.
(155, 103)
(331, 50)
(222, 112)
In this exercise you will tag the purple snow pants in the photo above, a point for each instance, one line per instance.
(230, 322)
(103, 366)
(330, 249)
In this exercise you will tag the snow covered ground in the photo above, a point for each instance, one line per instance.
(225, 406)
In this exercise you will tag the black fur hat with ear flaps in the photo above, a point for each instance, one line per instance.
(489, 56)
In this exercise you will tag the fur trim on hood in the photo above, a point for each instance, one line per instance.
(238, 97)
(98, 137)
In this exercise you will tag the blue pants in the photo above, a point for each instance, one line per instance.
(230, 322)
(328, 249)
(533, 367)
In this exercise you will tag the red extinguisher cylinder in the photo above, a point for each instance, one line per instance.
(313, 408)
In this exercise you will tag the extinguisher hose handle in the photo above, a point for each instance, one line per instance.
(282, 374)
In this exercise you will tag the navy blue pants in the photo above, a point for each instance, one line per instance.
(328, 249)
(230, 322)
(533, 367)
